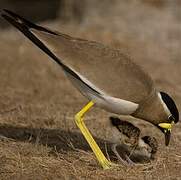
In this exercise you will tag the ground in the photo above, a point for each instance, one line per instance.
(38, 136)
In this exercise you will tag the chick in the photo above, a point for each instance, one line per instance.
(128, 146)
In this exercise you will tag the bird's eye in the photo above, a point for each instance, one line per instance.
(171, 118)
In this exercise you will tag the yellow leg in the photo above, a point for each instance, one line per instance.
(95, 148)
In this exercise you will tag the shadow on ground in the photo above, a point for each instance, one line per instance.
(60, 140)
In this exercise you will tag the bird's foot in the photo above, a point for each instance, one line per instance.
(106, 164)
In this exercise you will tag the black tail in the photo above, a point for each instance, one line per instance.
(24, 21)
(25, 27)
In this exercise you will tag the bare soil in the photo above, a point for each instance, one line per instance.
(38, 136)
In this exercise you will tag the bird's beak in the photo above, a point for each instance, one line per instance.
(166, 129)
(167, 136)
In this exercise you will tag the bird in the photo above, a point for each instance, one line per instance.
(108, 78)
(127, 144)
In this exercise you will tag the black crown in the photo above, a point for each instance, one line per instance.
(171, 106)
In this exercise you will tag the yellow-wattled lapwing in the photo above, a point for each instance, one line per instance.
(132, 148)
(106, 77)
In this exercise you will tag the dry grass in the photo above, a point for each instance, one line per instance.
(39, 139)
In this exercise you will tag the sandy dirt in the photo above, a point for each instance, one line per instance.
(38, 136)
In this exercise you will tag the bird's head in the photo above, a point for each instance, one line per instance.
(172, 119)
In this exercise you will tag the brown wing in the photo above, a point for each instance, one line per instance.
(108, 69)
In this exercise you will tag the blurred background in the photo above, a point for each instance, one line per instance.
(38, 103)
(78, 10)
(148, 30)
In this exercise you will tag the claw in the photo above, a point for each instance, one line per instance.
(108, 164)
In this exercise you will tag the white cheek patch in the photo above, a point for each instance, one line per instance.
(164, 105)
